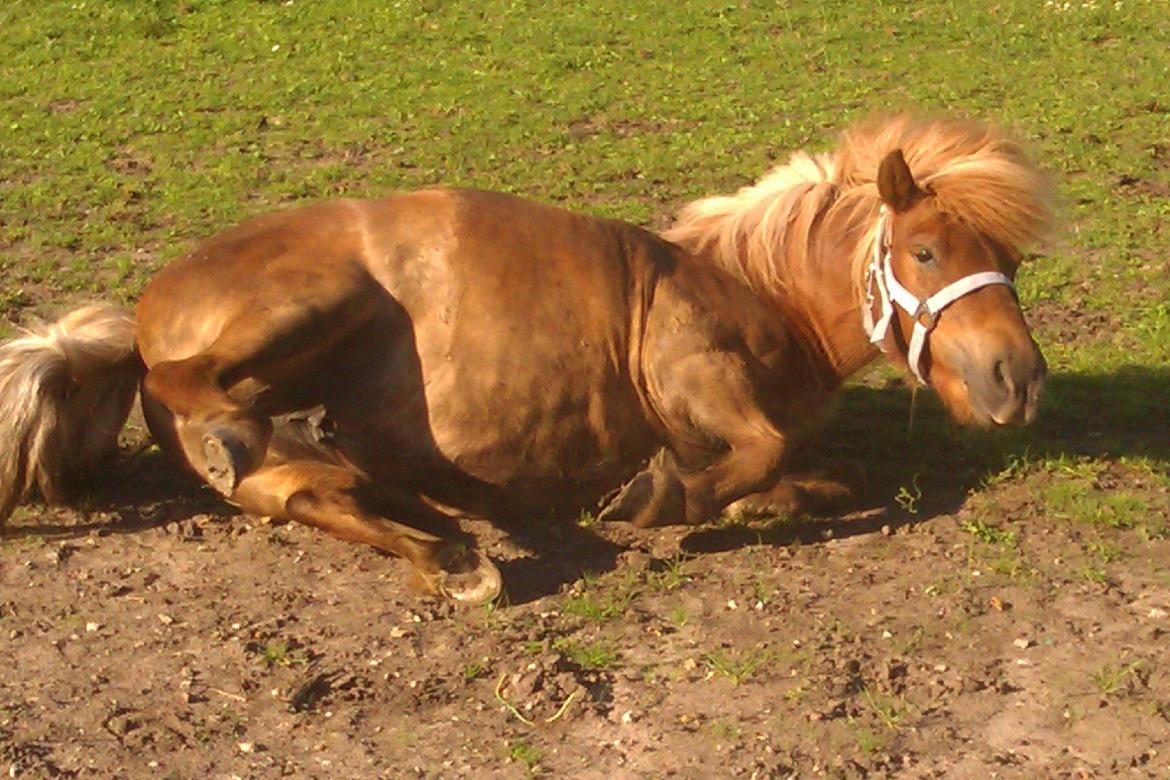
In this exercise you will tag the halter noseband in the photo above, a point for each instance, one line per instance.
(882, 286)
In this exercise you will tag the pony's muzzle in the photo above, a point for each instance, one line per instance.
(1006, 389)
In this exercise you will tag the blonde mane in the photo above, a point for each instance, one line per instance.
(974, 171)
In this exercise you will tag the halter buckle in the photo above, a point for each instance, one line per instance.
(925, 316)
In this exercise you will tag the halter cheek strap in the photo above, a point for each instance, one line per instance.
(881, 286)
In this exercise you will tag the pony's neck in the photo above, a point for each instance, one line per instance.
(820, 291)
(814, 291)
(797, 240)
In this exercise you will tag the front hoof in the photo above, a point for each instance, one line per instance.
(472, 580)
(630, 500)
(654, 497)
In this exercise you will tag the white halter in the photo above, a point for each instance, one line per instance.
(879, 277)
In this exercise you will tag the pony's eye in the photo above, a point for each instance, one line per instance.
(923, 255)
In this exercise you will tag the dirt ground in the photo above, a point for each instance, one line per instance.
(157, 634)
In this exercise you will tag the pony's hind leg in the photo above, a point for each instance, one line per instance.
(330, 497)
(222, 397)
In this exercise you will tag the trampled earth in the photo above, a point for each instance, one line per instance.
(150, 636)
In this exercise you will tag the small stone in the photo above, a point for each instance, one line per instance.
(1022, 643)
(628, 716)
(731, 604)
(91, 627)
(1157, 613)
(886, 530)
(166, 620)
(246, 747)
(887, 635)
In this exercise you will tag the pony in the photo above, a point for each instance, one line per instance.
(369, 366)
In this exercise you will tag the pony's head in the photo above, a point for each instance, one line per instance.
(936, 215)
(939, 291)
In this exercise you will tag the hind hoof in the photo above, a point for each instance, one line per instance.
(224, 458)
(477, 580)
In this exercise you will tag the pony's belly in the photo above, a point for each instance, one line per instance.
(528, 440)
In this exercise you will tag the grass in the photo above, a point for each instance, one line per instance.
(520, 751)
(598, 600)
(887, 709)
(1110, 680)
(737, 666)
(908, 497)
(988, 534)
(588, 655)
(670, 576)
(280, 653)
(725, 730)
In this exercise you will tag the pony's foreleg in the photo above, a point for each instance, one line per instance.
(326, 497)
(827, 489)
(741, 450)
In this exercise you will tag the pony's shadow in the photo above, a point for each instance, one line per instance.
(922, 468)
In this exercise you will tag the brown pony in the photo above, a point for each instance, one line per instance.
(366, 366)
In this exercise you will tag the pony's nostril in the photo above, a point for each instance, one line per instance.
(998, 376)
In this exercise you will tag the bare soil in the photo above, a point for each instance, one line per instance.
(155, 633)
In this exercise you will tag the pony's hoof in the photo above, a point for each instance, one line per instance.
(477, 581)
(223, 457)
(630, 499)
(653, 497)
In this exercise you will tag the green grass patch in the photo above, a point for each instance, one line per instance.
(738, 666)
(281, 653)
(588, 655)
(524, 753)
(596, 600)
(1111, 680)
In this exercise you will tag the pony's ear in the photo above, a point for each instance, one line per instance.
(896, 184)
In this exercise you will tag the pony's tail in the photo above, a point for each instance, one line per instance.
(65, 392)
